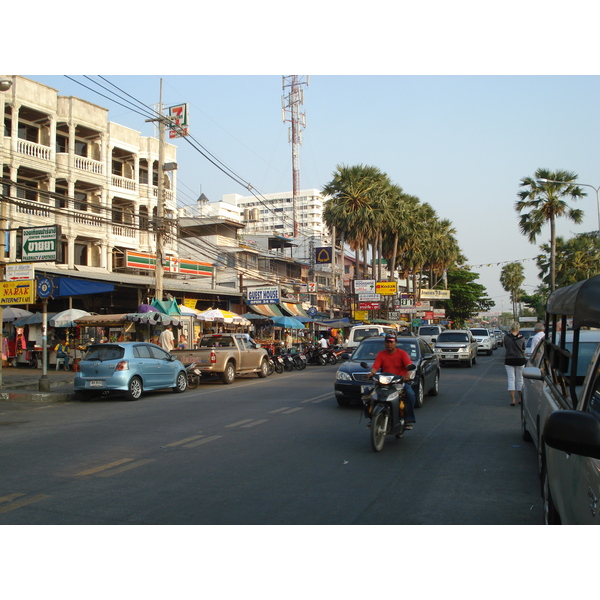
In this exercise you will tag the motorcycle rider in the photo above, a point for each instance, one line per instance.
(395, 360)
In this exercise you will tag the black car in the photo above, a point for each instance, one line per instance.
(351, 379)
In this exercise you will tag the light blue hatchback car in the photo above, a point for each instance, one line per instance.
(128, 368)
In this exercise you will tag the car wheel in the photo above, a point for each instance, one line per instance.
(469, 363)
(435, 390)
(489, 352)
(332, 359)
(228, 375)
(525, 435)
(181, 382)
(420, 395)
(135, 389)
(264, 369)
(322, 360)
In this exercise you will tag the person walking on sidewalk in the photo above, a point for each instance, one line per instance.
(514, 361)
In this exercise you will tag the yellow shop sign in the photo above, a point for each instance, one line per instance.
(17, 292)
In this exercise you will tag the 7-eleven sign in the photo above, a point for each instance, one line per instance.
(179, 119)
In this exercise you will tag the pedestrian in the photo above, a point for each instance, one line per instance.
(514, 361)
(182, 342)
(288, 340)
(165, 339)
(538, 335)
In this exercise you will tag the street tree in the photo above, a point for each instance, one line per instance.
(467, 297)
(541, 203)
(512, 277)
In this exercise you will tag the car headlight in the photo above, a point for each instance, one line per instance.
(343, 376)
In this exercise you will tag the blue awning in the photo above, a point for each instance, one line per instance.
(66, 286)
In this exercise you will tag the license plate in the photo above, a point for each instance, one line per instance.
(366, 389)
(96, 383)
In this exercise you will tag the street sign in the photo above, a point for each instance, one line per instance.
(266, 295)
(369, 297)
(312, 311)
(434, 295)
(364, 286)
(41, 244)
(19, 271)
(386, 288)
(45, 287)
(17, 292)
(368, 305)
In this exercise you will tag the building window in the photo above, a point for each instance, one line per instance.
(81, 148)
(28, 133)
(80, 201)
(81, 254)
(62, 144)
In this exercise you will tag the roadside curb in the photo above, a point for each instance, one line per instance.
(33, 396)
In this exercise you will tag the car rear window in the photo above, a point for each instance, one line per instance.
(480, 332)
(452, 337)
(104, 352)
(428, 330)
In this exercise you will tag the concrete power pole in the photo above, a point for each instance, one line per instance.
(159, 223)
(291, 112)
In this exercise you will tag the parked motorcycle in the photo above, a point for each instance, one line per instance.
(299, 360)
(280, 364)
(384, 405)
(193, 376)
(316, 355)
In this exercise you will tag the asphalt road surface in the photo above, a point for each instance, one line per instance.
(271, 451)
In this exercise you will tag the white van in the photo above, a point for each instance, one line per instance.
(359, 332)
(430, 333)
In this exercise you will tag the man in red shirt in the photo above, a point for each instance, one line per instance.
(395, 360)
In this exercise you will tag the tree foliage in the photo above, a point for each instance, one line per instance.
(467, 297)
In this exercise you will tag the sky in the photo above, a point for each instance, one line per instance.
(460, 143)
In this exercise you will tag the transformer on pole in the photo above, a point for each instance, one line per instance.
(291, 112)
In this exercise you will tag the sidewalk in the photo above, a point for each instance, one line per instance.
(22, 384)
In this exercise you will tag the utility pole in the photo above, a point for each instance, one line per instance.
(291, 112)
(160, 204)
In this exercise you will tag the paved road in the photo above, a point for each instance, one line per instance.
(273, 451)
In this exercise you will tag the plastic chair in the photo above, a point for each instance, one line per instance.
(62, 361)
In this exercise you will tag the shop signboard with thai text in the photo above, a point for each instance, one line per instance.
(17, 292)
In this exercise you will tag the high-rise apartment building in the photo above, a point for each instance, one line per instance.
(273, 213)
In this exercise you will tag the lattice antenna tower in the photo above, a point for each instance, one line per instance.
(293, 85)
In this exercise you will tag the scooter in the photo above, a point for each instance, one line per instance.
(384, 405)
(193, 376)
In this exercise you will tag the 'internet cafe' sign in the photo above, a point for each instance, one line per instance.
(266, 295)
(41, 244)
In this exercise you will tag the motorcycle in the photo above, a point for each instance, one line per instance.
(279, 363)
(316, 355)
(299, 360)
(193, 376)
(384, 405)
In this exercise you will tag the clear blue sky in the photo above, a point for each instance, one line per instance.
(444, 132)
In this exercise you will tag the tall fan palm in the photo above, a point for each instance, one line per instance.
(511, 278)
(352, 208)
(545, 202)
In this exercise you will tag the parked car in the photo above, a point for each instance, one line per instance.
(128, 368)
(351, 379)
(537, 401)
(430, 333)
(456, 346)
(484, 340)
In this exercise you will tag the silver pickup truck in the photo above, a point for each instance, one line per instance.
(568, 427)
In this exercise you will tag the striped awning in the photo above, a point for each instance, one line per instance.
(266, 310)
(294, 309)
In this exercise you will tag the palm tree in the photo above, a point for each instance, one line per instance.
(545, 202)
(512, 277)
(353, 204)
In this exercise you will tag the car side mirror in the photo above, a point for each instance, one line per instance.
(364, 365)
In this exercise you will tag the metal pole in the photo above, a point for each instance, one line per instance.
(160, 206)
(44, 383)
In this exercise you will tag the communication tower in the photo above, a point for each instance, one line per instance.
(290, 111)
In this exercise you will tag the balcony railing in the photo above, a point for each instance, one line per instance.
(124, 183)
(89, 165)
(33, 149)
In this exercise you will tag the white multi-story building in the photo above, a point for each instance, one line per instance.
(273, 213)
(63, 163)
